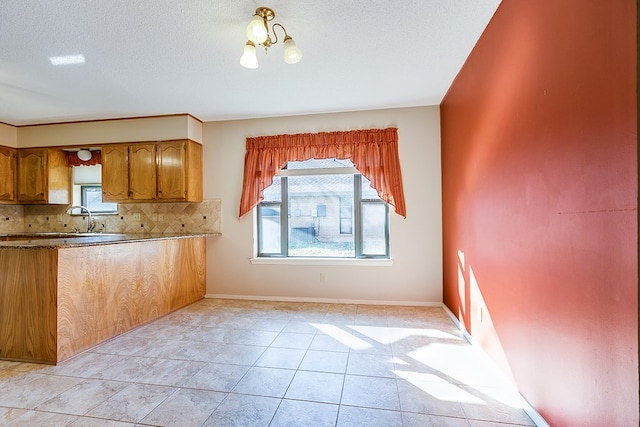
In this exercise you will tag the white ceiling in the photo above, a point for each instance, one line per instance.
(154, 57)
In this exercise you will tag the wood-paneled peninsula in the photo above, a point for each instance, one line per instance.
(60, 295)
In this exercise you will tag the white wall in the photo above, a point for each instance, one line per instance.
(415, 277)
(177, 126)
(8, 135)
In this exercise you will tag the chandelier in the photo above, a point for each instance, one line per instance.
(258, 34)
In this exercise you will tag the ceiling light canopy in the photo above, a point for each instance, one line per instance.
(258, 34)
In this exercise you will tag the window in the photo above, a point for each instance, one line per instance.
(91, 198)
(322, 208)
(87, 191)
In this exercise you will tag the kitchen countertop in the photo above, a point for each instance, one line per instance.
(67, 240)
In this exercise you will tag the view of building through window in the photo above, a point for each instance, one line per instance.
(331, 211)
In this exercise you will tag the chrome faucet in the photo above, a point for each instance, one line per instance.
(90, 224)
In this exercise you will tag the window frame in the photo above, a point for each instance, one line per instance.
(357, 229)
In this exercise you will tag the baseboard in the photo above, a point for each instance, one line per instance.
(325, 300)
(530, 410)
(459, 325)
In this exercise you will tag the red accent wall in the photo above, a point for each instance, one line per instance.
(540, 174)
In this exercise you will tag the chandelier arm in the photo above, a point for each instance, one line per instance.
(273, 30)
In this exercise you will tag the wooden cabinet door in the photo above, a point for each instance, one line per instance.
(7, 175)
(172, 164)
(142, 172)
(32, 176)
(115, 173)
(58, 183)
(194, 172)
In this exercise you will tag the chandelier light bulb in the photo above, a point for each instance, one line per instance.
(249, 58)
(257, 30)
(292, 53)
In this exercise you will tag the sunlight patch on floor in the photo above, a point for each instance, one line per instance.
(389, 335)
(342, 336)
(438, 387)
(466, 365)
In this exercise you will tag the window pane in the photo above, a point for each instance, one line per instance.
(92, 199)
(346, 215)
(315, 216)
(374, 219)
(368, 193)
(269, 226)
(273, 193)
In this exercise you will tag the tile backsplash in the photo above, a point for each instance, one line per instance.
(166, 218)
(11, 218)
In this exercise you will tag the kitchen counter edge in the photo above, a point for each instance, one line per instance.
(105, 239)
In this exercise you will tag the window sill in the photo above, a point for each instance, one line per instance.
(323, 261)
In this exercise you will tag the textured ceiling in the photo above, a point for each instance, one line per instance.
(153, 57)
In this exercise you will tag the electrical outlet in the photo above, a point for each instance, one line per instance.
(59, 218)
(323, 277)
(136, 216)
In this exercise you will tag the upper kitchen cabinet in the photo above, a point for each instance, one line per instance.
(142, 172)
(115, 184)
(8, 160)
(43, 177)
(179, 175)
(169, 171)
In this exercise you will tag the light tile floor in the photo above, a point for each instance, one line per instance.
(256, 363)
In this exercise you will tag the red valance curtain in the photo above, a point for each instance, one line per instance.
(374, 152)
(73, 160)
